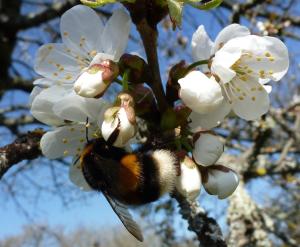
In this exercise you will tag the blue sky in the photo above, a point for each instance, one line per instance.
(93, 211)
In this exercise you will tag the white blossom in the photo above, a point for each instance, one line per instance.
(207, 149)
(189, 182)
(220, 181)
(242, 64)
(86, 43)
(119, 125)
(67, 112)
(200, 93)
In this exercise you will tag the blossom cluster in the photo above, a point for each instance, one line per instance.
(234, 77)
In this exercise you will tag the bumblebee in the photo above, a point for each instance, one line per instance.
(128, 178)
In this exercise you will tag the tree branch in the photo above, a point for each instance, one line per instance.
(26, 147)
(207, 229)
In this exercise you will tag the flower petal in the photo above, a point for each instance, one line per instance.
(65, 141)
(90, 85)
(228, 33)
(207, 149)
(221, 181)
(81, 30)
(252, 101)
(77, 178)
(35, 92)
(266, 57)
(201, 45)
(200, 93)
(209, 120)
(76, 108)
(189, 182)
(55, 62)
(42, 105)
(115, 35)
(222, 62)
(119, 123)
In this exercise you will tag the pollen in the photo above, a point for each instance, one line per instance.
(260, 88)
(65, 141)
(243, 78)
(72, 129)
(93, 53)
(50, 47)
(258, 59)
(268, 54)
(66, 152)
(68, 77)
(66, 33)
(272, 59)
(271, 72)
(81, 140)
(241, 98)
(253, 98)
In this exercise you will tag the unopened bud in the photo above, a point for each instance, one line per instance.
(119, 124)
(189, 182)
(93, 82)
(200, 93)
(207, 149)
(220, 181)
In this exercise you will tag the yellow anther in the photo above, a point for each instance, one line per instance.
(268, 54)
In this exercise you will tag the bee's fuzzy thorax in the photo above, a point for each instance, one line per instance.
(166, 164)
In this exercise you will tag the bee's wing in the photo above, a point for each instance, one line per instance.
(126, 218)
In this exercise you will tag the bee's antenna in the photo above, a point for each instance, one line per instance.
(87, 130)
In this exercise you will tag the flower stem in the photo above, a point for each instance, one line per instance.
(149, 38)
(125, 80)
(196, 64)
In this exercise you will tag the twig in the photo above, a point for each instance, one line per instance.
(24, 147)
(207, 230)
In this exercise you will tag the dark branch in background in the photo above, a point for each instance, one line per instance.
(207, 229)
(146, 16)
(24, 22)
(26, 147)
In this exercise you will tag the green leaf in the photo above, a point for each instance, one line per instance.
(98, 3)
(175, 9)
(206, 6)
